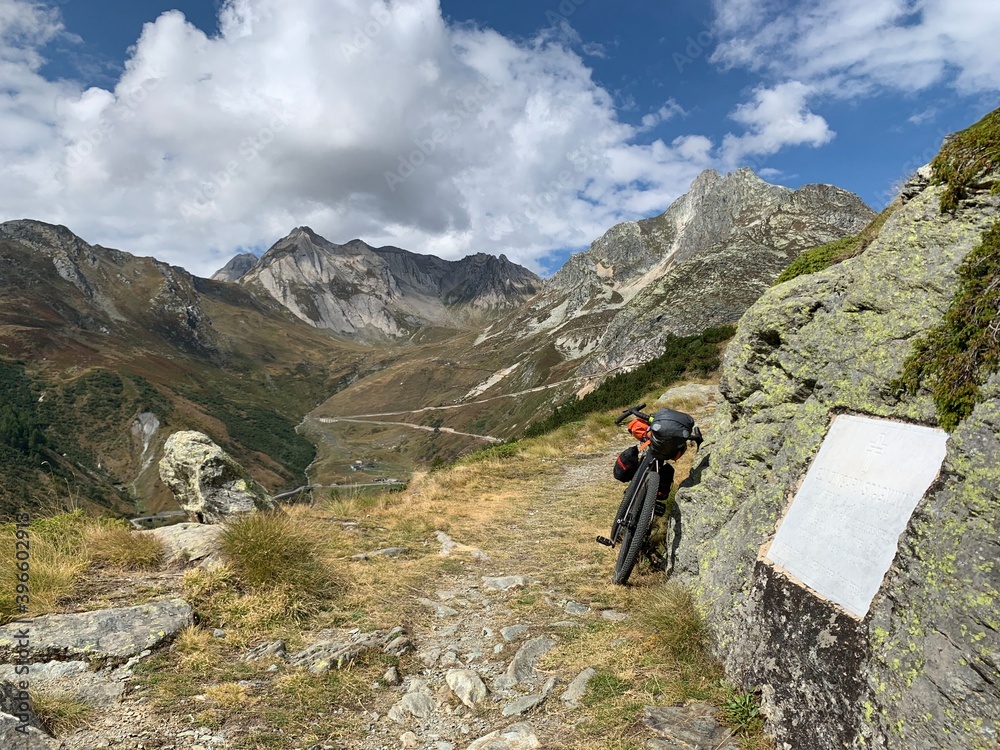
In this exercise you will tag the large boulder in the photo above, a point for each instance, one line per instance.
(207, 482)
(920, 670)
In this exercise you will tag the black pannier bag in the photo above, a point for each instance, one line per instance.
(670, 432)
(627, 464)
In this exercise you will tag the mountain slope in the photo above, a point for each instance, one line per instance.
(110, 351)
(380, 293)
(236, 268)
(701, 263)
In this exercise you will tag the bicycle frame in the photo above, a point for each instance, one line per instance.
(630, 516)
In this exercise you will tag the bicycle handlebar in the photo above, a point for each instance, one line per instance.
(632, 411)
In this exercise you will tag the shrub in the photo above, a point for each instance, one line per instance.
(493, 452)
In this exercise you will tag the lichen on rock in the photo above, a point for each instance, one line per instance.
(207, 481)
(920, 671)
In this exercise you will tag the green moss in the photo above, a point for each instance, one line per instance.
(837, 251)
(969, 156)
(955, 358)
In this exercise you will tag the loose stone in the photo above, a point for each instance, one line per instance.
(467, 685)
(578, 687)
(513, 632)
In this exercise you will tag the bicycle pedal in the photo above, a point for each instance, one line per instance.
(605, 541)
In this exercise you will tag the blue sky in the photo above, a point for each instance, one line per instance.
(193, 130)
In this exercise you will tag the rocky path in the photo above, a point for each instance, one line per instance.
(485, 677)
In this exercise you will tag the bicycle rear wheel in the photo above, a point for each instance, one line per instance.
(633, 529)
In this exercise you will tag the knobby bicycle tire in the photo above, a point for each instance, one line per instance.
(623, 506)
(632, 540)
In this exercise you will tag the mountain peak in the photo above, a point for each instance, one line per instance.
(236, 268)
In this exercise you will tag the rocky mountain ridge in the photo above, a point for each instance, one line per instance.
(105, 352)
(701, 263)
(386, 292)
(481, 343)
(236, 268)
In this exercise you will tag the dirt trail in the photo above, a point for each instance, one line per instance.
(477, 623)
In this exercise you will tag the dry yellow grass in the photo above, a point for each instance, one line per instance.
(61, 712)
(535, 507)
(121, 548)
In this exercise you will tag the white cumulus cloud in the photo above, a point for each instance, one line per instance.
(851, 46)
(361, 119)
(775, 118)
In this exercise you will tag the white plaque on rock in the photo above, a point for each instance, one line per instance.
(841, 531)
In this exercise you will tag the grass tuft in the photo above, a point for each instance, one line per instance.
(61, 713)
(276, 551)
(680, 631)
(967, 158)
(121, 548)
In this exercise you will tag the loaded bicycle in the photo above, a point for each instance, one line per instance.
(662, 437)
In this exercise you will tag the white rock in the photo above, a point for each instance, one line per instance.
(467, 685)
(515, 737)
(207, 481)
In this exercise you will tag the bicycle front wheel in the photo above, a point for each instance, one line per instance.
(633, 530)
(630, 492)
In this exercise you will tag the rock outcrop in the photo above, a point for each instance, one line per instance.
(193, 544)
(920, 671)
(207, 482)
(103, 636)
(386, 292)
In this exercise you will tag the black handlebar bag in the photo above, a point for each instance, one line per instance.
(670, 432)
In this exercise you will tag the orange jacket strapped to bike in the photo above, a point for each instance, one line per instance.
(639, 429)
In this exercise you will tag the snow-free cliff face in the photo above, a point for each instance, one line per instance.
(373, 293)
(701, 263)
